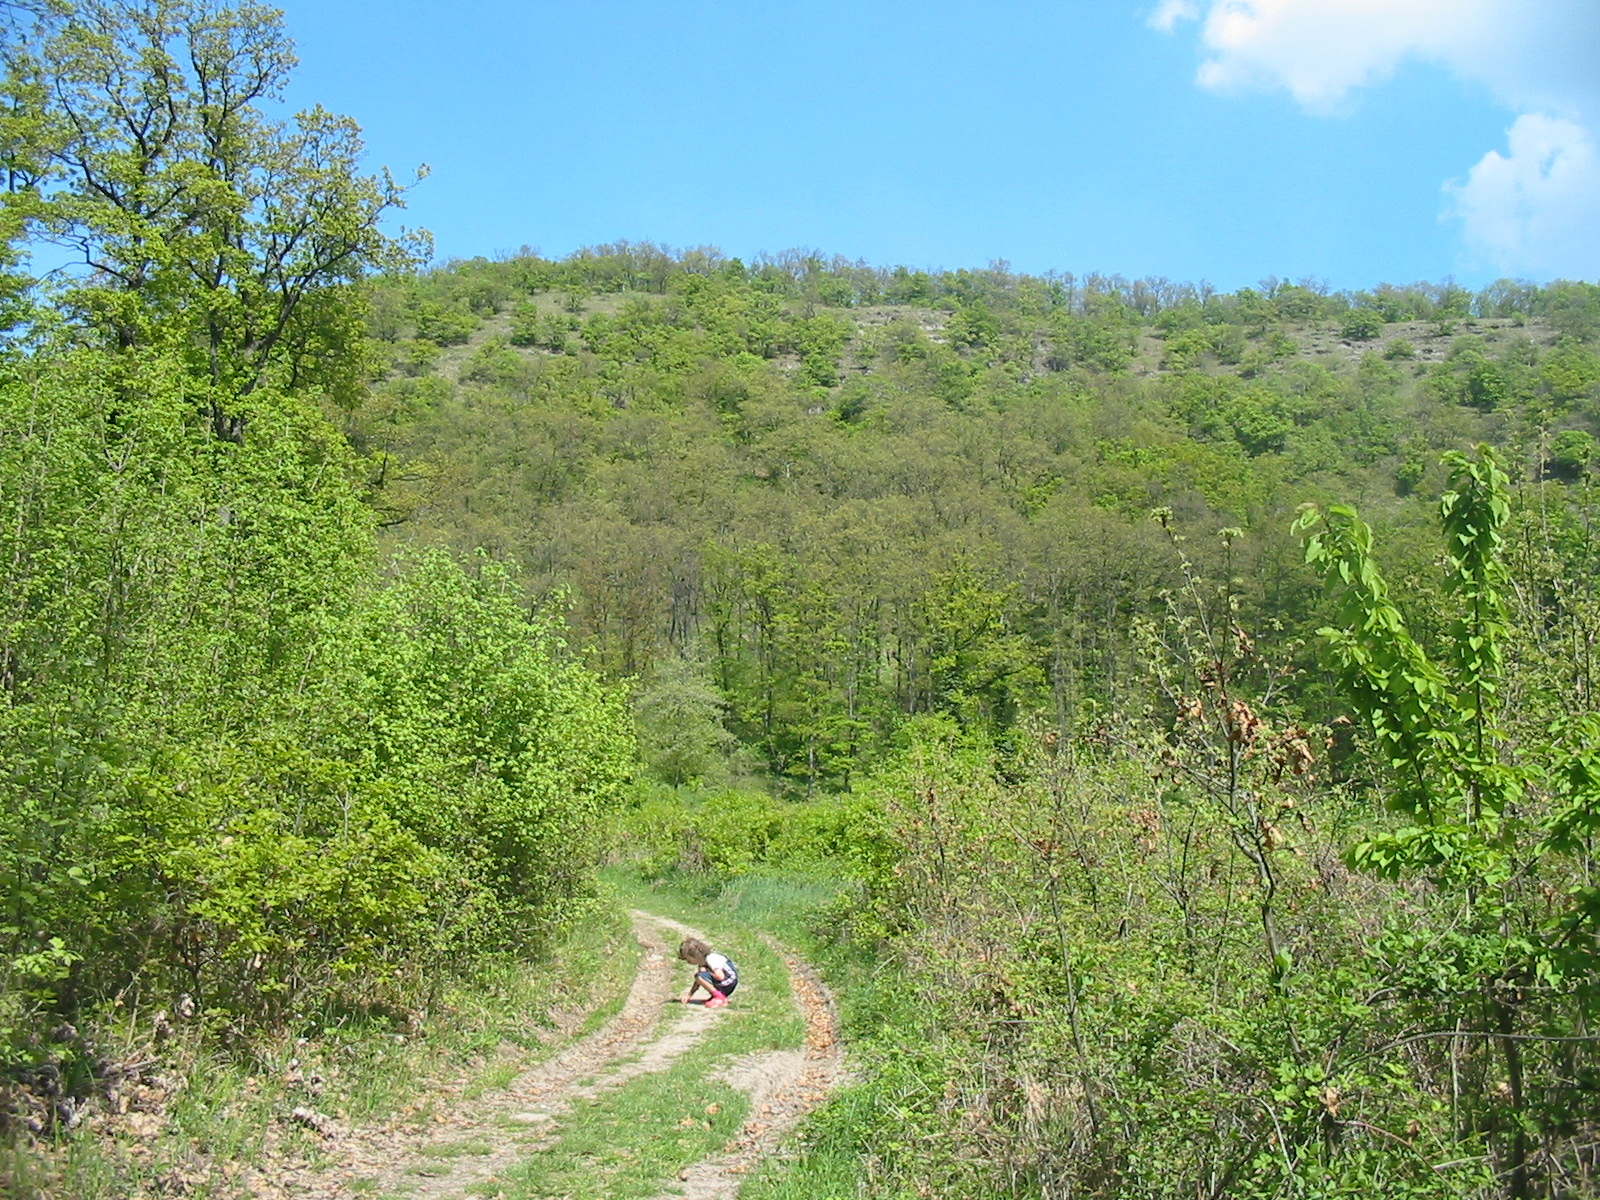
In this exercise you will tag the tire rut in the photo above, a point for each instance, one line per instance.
(475, 1141)
(783, 1087)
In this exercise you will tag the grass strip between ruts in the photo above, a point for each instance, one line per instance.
(632, 1141)
(830, 1154)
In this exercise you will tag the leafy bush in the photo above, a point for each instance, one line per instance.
(442, 325)
(239, 764)
(1362, 325)
(1185, 349)
(416, 356)
(525, 325)
(679, 716)
(1570, 372)
(726, 833)
(1572, 452)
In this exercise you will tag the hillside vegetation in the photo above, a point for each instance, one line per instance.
(839, 497)
(257, 776)
(1198, 874)
(1168, 714)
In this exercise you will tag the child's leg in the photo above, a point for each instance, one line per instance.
(716, 997)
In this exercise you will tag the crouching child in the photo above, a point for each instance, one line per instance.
(714, 973)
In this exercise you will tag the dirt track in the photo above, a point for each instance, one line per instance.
(508, 1125)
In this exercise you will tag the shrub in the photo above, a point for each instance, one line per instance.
(1572, 452)
(442, 325)
(1362, 325)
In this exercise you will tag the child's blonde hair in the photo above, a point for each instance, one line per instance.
(693, 950)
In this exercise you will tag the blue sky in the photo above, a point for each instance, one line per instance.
(1354, 141)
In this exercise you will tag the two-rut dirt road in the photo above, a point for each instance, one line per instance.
(508, 1125)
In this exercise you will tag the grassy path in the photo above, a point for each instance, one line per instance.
(664, 1100)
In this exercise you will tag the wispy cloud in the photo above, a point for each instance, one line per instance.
(1169, 12)
(1535, 210)
(1532, 209)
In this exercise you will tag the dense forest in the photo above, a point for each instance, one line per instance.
(833, 498)
(1187, 696)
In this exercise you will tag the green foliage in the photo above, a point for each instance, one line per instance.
(226, 741)
(1102, 801)
(1411, 471)
(1468, 376)
(443, 326)
(468, 696)
(241, 764)
(679, 718)
(1434, 725)
(1362, 325)
(205, 225)
(1135, 964)
(1104, 338)
(732, 833)
(713, 460)
(1573, 308)
(1570, 372)
(1573, 452)
(1185, 349)
(417, 356)
(879, 531)
(1484, 825)
(1229, 344)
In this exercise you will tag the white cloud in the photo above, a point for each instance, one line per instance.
(1532, 54)
(1170, 12)
(1533, 210)
(1536, 211)
(1318, 49)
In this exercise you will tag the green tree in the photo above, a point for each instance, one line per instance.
(206, 225)
(1362, 325)
(1570, 372)
(1572, 452)
(679, 716)
(1573, 308)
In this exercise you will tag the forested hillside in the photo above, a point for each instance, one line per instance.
(1175, 709)
(1017, 579)
(840, 497)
